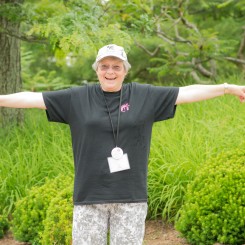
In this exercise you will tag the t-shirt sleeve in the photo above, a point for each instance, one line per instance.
(164, 99)
(58, 105)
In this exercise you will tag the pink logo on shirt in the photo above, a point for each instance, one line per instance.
(125, 107)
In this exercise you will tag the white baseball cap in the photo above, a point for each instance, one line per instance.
(114, 51)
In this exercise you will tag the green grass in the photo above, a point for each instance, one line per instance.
(181, 145)
(39, 150)
(31, 153)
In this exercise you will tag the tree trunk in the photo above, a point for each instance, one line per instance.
(241, 50)
(10, 68)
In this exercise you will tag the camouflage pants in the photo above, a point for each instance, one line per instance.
(124, 221)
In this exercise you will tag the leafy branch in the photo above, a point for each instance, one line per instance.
(187, 46)
(23, 37)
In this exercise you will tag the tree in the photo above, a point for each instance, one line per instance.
(74, 27)
(10, 66)
(188, 40)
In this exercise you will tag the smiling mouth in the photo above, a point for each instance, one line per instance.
(107, 78)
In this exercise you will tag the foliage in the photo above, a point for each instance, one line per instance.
(81, 27)
(4, 225)
(217, 9)
(46, 81)
(29, 154)
(58, 223)
(180, 146)
(189, 43)
(41, 71)
(70, 40)
(214, 205)
(166, 188)
(32, 210)
(190, 37)
(40, 79)
(141, 62)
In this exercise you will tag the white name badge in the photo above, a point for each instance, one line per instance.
(117, 165)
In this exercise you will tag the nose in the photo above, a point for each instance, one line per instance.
(110, 70)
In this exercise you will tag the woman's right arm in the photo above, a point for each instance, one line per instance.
(23, 100)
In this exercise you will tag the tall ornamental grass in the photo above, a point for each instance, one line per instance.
(29, 154)
(181, 145)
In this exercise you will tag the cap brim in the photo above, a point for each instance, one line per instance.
(98, 59)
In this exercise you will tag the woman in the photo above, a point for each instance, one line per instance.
(111, 125)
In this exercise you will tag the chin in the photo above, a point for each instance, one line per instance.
(110, 87)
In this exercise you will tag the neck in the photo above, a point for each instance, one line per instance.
(111, 90)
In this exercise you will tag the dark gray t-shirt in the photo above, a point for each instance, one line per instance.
(84, 109)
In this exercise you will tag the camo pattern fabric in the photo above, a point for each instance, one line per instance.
(124, 221)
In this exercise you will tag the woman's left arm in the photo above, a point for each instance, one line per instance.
(194, 93)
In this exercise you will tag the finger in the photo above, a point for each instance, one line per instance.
(242, 99)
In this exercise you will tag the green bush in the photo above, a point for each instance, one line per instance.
(58, 223)
(29, 154)
(30, 211)
(4, 225)
(214, 209)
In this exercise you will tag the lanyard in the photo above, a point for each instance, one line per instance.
(118, 117)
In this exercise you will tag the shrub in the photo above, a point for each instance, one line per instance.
(58, 223)
(3, 225)
(31, 210)
(214, 208)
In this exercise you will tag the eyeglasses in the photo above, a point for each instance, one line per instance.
(114, 68)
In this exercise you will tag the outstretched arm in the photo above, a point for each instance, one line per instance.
(23, 100)
(194, 93)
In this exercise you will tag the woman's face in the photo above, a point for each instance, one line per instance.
(111, 74)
